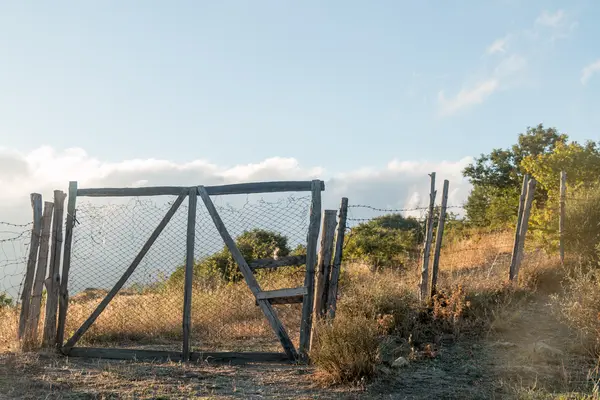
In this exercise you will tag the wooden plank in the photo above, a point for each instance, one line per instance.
(189, 273)
(86, 325)
(162, 355)
(53, 287)
(63, 301)
(428, 239)
(513, 260)
(133, 192)
(524, 225)
(438, 239)
(323, 272)
(311, 262)
(286, 300)
(289, 292)
(40, 274)
(288, 261)
(561, 221)
(238, 188)
(264, 305)
(36, 231)
(337, 259)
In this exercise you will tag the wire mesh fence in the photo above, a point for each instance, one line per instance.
(147, 311)
(14, 249)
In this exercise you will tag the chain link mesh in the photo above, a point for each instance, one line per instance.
(147, 311)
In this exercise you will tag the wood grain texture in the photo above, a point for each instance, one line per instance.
(438, 239)
(311, 262)
(515, 252)
(337, 259)
(113, 292)
(40, 274)
(288, 292)
(189, 273)
(53, 288)
(36, 231)
(264, 305)
(239, 188)
(524, 225)
(428, 240)
(323, 272)
(63, 302)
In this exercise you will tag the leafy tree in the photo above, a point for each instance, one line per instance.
(496, 177)
(254, 244)
(5, 300)
(386, 241)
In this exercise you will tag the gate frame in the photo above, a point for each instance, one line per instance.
(264, 299)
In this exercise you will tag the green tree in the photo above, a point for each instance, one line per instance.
(5, 300)
(496, 177)
(387, 241)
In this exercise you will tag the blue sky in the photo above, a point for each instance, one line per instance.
(338, 84)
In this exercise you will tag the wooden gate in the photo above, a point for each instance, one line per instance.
(264, 298)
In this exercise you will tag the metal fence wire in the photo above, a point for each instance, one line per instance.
(14, 248)
(147, 311)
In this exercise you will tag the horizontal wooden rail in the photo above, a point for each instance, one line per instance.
(161, 355)
(238, 188)
(288, 261)
(272, 294)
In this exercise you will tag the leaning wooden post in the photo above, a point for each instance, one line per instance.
(189, 272)
(311, 261)
(53, 281)
(40, 274)
(561, 221)
(337, 259)
(36, 205)
(438, 238)
(324, 264)
(428, 239)
(524, 225)
(63, 301)
(515, 252)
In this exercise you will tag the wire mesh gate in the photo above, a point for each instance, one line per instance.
(135, 288)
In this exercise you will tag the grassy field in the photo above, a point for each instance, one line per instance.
(478, 338)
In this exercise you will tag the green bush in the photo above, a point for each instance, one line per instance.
(387, 241)
(221, 267)
(582, 223)
(5, 300)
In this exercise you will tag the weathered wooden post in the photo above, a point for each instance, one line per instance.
(311, 261)
(324, 267)
(36, 231)
(561, 221)
(524, 225)
(40, 274)
(337, 259)
(438, 238)
(63, 301)
(428, 239)
(515, 252)
(189, 272)
(53, 281)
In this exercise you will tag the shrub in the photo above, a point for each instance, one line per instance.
(582, 223)
(347, 350)
(5, 300)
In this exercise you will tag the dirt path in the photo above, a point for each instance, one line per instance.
(528, 349)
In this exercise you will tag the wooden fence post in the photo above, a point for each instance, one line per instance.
(337, 259)
(438, 238)
(53, 281)
(311, 261)
(63, 301)
(40, 274)
(515, 252)
(561, 221)
(189, 272)
(36, 205)
(428, 239)
(524, 225)
(324, 265)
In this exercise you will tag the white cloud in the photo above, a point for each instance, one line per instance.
(467, 97)
(552, 20)
(499, 46)
(589, 70)
(398, 185)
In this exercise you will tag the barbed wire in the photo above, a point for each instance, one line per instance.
(14, 249)
(399, 210)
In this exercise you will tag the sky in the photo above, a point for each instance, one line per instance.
(368, 96)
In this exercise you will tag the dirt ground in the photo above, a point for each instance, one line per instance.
(529, 355)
